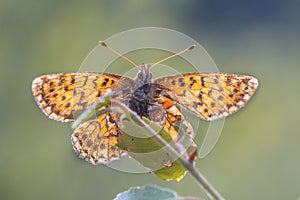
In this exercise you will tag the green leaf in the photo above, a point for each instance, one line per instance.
(136, 139)
(146, 150)
(149, 192)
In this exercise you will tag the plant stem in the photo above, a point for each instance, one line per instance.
(198, 176)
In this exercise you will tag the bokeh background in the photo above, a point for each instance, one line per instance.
(257, 156)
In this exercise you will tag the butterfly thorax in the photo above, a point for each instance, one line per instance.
(144, 95)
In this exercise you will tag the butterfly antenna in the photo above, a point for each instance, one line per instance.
(174, 55)
(119, 54)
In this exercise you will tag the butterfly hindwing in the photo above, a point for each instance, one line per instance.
(95, 140)
(175, 120)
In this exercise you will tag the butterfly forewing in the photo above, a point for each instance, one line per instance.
(209, 95)
(60, 95)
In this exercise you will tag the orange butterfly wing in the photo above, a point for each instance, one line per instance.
(209, 95)
(60, 95)
(95, 140)
(175, 120)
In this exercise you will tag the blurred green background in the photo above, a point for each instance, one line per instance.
(257, 156)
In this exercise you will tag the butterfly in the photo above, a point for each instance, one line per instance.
(210, 96)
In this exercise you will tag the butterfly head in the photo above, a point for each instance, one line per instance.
(144, 76)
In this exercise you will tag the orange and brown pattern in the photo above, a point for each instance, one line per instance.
(95, 140)
(210, 95)
(59, 95)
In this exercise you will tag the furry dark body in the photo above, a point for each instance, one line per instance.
(144, 99)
